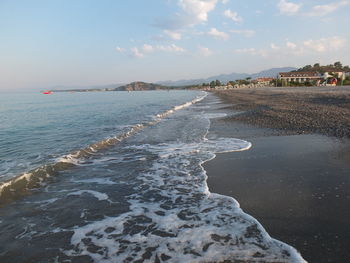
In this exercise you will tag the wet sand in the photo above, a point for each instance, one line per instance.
(296, 185)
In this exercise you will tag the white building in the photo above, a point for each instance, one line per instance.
(300, 77)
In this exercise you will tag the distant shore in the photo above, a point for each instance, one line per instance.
(295, 178)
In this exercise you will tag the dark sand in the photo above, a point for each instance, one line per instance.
(300, 110)
(296, 186)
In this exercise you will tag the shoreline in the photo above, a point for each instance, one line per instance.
(294, 183)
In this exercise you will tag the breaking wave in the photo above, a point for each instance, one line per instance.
(22, 185)
(173, 216)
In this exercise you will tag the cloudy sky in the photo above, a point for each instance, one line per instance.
(84, 42)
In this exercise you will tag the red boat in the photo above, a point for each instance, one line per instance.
(47, 92)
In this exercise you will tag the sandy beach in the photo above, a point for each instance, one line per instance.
(295, 178)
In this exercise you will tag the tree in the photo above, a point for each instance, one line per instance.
(338, 65)
(346, 81)
(316, 65)
(212, 84)
(307, 67)
(243, 82)
(217, 82)
(277, 82)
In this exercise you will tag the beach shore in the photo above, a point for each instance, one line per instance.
(323, 110)
(295, 179)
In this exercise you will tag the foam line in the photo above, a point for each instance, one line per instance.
(21, 185)
(187, 223)
(97, 195)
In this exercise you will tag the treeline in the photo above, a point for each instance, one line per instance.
(217, 82)
(337, 66)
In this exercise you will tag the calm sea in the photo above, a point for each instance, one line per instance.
(118, 177)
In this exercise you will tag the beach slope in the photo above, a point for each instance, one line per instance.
(295, 179)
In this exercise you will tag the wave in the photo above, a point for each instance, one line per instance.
(186, 223)
(23, 184)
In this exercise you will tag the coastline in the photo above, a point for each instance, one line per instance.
(293, 181)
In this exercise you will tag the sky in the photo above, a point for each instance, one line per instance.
(46, 43)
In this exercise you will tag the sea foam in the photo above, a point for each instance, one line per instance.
(21, 185)
(173, 216)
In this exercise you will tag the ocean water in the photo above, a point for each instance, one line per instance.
(118, 177)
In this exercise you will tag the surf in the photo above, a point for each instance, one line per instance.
(22, 184)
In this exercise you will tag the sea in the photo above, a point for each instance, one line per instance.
(118, 177)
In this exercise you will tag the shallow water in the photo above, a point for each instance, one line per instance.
(141, 197)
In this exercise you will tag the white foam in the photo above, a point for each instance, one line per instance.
(174, 213)
(105, 181)
(44, 203)
(198, 226)
(215, 115)
(97, 195)
(25, 176)
(182, 106)
(27, 232)
(69, 158)
(224, 145)
(77, 157)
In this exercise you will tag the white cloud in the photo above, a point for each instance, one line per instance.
(149, 49)
(233, 15)
(170, 48)
(136, 52)
(198, 9)
(300, 49)
(288, 49)
(246, 50)
(321, 10)
(246, 32)
(325, 44)
(193, 12)
(274, 46)
(120, 50)
(218, 34)
(204, 51)
(291, 45)
(225, 1)
(288, 8)
(173, 34)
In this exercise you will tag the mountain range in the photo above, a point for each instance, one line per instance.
(227, 77)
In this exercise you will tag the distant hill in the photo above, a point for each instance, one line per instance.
(85, 88)
(271, 73)
(139, 85)
(227, 77)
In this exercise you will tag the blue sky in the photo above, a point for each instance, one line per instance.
(44, 43)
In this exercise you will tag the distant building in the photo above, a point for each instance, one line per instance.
(300, 77)
(263, 81)
(331, 72)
